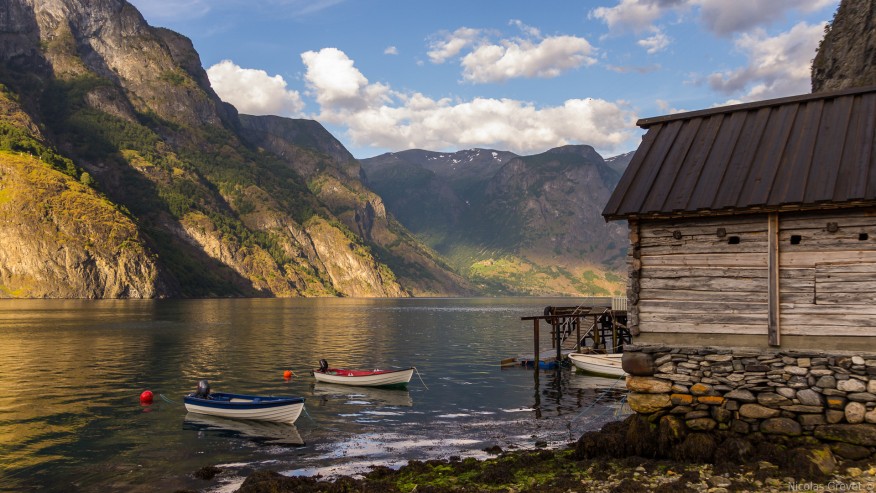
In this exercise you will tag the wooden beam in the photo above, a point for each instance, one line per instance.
(773, 328)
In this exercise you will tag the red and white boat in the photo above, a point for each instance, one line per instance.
(362, 378)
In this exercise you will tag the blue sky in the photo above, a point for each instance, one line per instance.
(522, 76)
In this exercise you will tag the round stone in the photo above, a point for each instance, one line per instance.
(648, 403)
(781, 426)
(648, 385)
(851, 385)
(855, 412)
(756, 411)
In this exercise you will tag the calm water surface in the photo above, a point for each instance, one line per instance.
(71, 373)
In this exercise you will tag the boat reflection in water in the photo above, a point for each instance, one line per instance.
(399, 397)
(264, 431)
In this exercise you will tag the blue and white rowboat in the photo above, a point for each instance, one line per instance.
(238, 406)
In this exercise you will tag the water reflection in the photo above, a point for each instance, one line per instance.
(71, 373)
(264, 431)
(324, 392)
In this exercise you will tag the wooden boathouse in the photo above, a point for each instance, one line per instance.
(755, 224)
(752, 270)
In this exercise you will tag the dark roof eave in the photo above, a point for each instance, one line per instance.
(647, 122)
(784, 208)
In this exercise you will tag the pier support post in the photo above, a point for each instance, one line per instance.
(535, 344)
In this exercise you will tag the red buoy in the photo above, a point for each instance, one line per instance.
(146, 397)
(287, 374)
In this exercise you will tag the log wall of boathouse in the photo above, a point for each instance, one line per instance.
(709, 277)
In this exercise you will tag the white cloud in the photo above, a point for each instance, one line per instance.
(496, 61)
(655, 43)
(667, 108)
(777, 66)
(528, 30)
(523, 58)
(451, 44)
(721, 17)
(390, 50)
(379, 117)
(636, 15)
(253, 91)
(337, 84)
(724, 17)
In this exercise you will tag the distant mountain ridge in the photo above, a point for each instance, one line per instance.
(513, 224)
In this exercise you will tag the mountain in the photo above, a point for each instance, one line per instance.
(847, 55)
(333, 175)
(513, 224)
(124, 175)
(620, 162)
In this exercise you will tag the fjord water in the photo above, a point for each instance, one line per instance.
(71, 373)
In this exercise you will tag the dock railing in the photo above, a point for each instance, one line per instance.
(619, 303)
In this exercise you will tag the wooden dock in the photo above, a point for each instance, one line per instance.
(604, 328)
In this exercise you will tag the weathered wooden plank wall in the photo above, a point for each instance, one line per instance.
(697, 278)
(833, 260)
(710, 275)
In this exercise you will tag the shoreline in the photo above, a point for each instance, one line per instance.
(556, 471)
(619, 458)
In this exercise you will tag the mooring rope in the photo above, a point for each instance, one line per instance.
(599, 398)
(167, 399)
(318, 426)
(421, 378)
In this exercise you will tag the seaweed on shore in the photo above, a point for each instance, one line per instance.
(615, 460)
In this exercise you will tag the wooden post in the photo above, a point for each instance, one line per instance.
(535, 342)
(577, 335)
(774, 326)
(596, 333)
(559, 341)
(613, 332)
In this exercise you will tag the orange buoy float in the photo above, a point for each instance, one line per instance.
(287, 374)
(146, 397)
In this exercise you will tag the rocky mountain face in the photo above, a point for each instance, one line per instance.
(513, 224)
(847, 54)
(333, 175)
(59, 238)
(157, 188)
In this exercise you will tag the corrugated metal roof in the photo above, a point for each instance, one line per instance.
(797, 152)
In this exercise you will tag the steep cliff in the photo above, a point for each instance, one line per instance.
(847, 54)
(333, 175)
(130, 108)
(59, 238)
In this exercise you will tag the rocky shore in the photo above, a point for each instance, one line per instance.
(625, 456)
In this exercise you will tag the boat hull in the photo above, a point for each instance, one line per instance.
(599, 364)
(238, 406)
(376, 378)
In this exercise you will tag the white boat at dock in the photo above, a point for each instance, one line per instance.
(599, 364)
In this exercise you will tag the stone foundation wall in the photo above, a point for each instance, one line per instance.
(830, 397)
